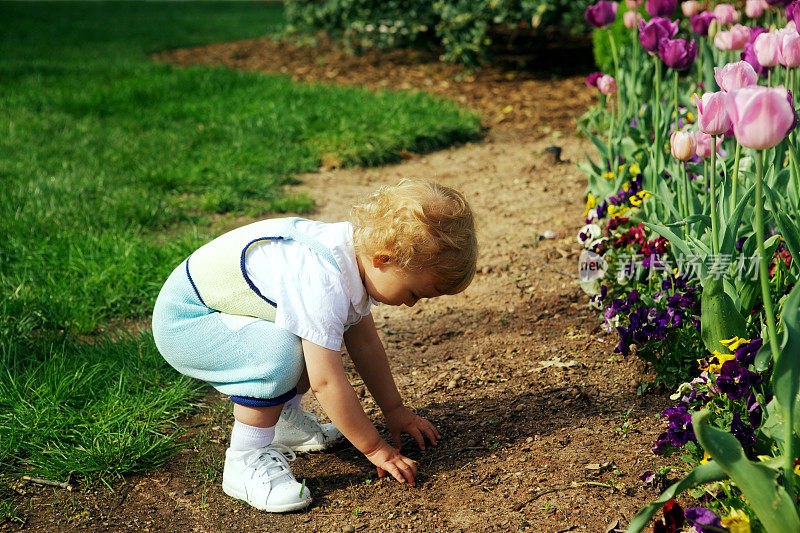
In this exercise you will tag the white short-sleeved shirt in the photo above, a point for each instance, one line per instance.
(315, 300)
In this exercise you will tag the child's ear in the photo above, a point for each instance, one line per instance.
(381, 259)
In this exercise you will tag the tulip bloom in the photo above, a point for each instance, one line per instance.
(602, 14)
(677, 54)
(780, 3)
(734, 76)
(690, 7)
(631, 19)
(705, 143)
(734, 39)
(607, 84)
(761, 116)
(767, 49)
(591, 79)
(726, 14)
(633, 5)
(661, 8)
(653, 31)
(701, 21)
(682, 145)
(749, 56)
(712, 116)
(789, 50)
(754, 8)
(793, 11)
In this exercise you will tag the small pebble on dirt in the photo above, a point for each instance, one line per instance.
(348, 529)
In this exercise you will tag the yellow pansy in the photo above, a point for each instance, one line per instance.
(737, 522)
(591, 201)
(617, 210)
(690, 117)
(608, 175)
(635, 169)
(797, 467)
(720, 358)
(734, 343)
(638, 198)
(626, 185)
(706, 458)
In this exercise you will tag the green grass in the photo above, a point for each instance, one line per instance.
(113, 168)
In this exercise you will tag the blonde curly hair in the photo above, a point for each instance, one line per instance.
(421, 225)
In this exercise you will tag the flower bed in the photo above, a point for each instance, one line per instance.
(692, 243)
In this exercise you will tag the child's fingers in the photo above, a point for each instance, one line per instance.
(417, 434)
(397, 440)
(431, 433)
(401, 472)
(381, 472)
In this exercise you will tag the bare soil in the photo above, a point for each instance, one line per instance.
(543, 429)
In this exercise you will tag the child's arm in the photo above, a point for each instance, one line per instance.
(369, 356)
(331, 388)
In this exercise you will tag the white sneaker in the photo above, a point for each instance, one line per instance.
(263, 479)
(301, 431)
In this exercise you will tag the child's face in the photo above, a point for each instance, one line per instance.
(391, 285)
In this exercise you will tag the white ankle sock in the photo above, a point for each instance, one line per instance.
(244, 437)
(294, 403)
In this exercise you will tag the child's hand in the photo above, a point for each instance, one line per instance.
(402, 420)
(387, 459)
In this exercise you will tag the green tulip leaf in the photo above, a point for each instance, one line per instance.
(668, 234)
(719, 318)
(786, 375)
(707, 473)
(602, 146)
(731, 229)
(757, 481)
(749, 291)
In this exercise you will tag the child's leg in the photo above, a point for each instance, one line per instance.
(254, 427)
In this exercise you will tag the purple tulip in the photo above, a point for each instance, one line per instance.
(677, 54)
(749, 55)
(653, 31)
(793, 11)
(661, 8)
(602, 14)
(779, 3)
(755, 31)
(791, 104)
(700, 22)
(704, 520)
(591, 79)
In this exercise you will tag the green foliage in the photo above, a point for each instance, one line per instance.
(463, 28)
(601, 45)
(719, 318)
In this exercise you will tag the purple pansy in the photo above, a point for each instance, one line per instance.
(736, 380)
(704, 520)
(743, 432)
(746, 353)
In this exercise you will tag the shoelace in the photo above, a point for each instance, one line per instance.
(274, 456)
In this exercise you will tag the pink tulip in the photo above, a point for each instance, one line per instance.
(789, 50)
(726, 14)
(705, 143)
(712, 117)
(682, 145)
(735, 76)
(607, 84)
(761, 116)
(767, 49)
(734, 39)
(631, 19)
(754, 8)
(633, 4)
(690, 7)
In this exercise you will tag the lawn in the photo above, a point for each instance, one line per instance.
(113, 169)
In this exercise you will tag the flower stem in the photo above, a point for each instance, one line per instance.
(657, 114)
(762, 259)
(712, 183)
(675, 98)
(735, 177)
(615, 57)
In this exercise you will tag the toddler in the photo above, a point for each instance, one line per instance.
(261, 312)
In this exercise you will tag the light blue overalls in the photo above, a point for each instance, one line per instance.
(258, 365)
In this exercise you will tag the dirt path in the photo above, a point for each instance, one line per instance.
(543, 429)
